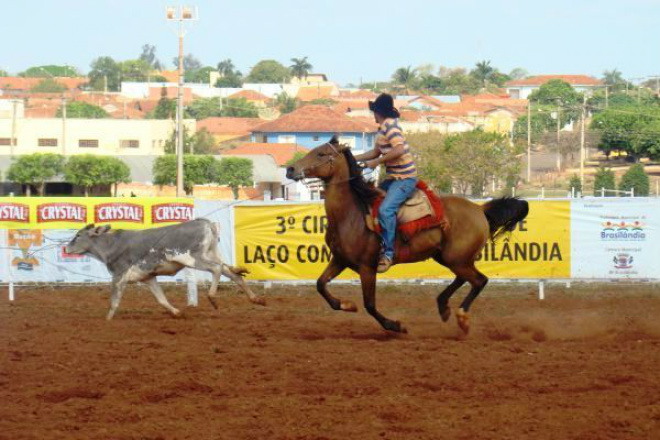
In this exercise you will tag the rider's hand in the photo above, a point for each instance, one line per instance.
(372, 164)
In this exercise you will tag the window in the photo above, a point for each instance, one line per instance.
(88, 143)
(6, 141)
(286, 139)
(316, 138)
(129, 143)
(47, 142)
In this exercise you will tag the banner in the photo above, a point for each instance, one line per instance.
(76, 212)
(616, 238)
(286, 242)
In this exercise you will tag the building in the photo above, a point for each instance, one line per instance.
(258, 99)
(420, 122)
(20, 84)
(229, 130)
(282, 153)
(311, 125)
(116, 137)
(522, 88)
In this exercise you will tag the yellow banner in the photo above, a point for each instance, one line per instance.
(76, 212)
(286, 242)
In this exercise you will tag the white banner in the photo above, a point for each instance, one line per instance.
(615, 238)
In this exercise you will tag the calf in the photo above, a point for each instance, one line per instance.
(132, 256)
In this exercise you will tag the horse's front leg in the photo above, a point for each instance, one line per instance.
(335, 267)
(368, 278)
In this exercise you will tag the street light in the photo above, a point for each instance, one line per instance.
(180, 15)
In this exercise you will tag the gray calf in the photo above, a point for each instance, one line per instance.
(132, 256)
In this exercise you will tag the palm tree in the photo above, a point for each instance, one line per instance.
(404, 76)
(483, 71)
(300, 67)
(226, 67)
(612, 77)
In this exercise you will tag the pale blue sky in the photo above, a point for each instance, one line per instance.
(346, 39)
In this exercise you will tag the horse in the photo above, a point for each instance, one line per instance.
(348, 197)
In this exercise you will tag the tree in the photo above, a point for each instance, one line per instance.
(518, 73)
(555, 92)
(50, 71)
(236, 173)
(48, 85)
(105, 69)
(89, 170)
(197, 170)
(575, 184)
(466, 161)
(630, 129)
(239, 108)
(300, 67)
(614, 80)
(135, 70)
(269, 71)
(541, 122)
(199, 76)
(3, 73)
(404, 77)
(82, 110)
(229, 76)
(226, 67)
(635, 179)
(296, 157)
(483, 72)
(148, 55)
(35, 169)
(202, 142)
(286, 103)
(604, 179)
(190, 62)
(166, 108)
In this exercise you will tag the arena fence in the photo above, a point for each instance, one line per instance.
(583, 239)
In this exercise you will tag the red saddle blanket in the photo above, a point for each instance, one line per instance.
(409, 229)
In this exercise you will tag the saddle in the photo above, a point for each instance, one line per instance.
(423, 210)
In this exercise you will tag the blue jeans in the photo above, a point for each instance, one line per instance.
(398, 191)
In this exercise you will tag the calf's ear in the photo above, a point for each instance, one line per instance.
(101, 230)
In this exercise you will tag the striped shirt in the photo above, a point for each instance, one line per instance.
(390, 136)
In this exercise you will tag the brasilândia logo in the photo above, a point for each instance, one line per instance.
(623, 231)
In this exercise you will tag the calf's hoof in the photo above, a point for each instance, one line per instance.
(258, 301)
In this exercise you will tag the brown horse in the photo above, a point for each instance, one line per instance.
(354, 246)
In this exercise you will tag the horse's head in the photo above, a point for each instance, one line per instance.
(319, 163)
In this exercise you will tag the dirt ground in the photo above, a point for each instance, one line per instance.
(583, 364)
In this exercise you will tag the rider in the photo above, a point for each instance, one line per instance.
(391, 149)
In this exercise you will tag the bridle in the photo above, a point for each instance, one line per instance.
(330, 160)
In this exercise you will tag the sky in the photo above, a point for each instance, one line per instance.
(349, 40)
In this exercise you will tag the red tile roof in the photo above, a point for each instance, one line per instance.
(357, 94)
(314, 119)
(282, 153)
(19, 83)
(574, 80)
(310, 93)
(232, 126)
(169, 75)
(250, 95)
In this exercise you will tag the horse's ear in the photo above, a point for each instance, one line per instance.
(334, 140)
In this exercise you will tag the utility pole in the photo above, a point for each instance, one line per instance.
(529, 141)
(582, 155)
(12, 141)
(63, 125)
(185, 13)
(558, 129)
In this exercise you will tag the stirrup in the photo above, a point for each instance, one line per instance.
(384, 263)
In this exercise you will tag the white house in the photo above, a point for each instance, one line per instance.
(522, 88)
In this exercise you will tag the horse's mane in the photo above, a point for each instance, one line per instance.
(365, 192)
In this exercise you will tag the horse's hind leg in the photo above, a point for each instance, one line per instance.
(445, 295)
(478, 281)
(333, 270)
(368, 278)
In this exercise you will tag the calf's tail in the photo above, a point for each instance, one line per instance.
(504, 213)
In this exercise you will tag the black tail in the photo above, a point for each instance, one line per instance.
(504, 213)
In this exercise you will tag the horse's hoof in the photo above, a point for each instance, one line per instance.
(348, 306)
(398, 327)
(445, 314)
(213, 302)
(258, 301)
(463, 319)
(176, 313)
